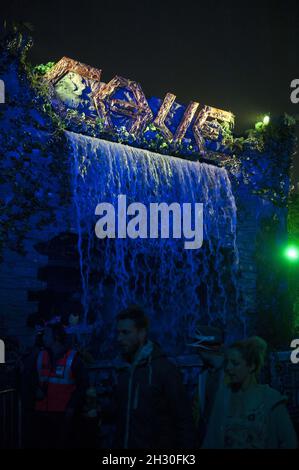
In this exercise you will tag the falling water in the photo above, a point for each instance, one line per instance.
(176, 286)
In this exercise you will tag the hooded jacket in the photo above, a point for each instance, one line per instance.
(153, 410)
(266, 425)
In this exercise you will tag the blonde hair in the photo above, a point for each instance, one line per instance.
(253, 350)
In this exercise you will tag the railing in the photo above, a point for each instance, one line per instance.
(10, 419)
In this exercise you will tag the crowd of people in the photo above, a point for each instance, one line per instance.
(149, 406)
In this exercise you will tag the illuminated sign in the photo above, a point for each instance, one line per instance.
(205, 122)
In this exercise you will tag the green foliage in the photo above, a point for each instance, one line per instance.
(35, 178)
(42, 69)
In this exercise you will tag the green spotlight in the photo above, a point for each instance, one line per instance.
(292, 253)
(266, 120)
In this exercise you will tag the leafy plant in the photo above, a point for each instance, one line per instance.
(42, 69)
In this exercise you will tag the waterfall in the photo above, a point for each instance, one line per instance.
(176, 286)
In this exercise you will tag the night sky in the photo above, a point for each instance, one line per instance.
(239, 56)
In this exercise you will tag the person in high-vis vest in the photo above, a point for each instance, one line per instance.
(59, 381)
(62, 385)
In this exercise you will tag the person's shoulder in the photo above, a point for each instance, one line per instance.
(163, 360)
(272, 396)
(171, 364)
(165, 366)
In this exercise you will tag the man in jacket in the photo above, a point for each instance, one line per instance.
(153, 410)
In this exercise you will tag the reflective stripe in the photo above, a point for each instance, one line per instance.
(67, 376)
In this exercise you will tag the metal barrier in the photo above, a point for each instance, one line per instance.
(10, 419)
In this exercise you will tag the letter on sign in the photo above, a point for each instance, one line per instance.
(159, 121)
(137, 109)
(186, 121)
(66, 65)
(201, 125)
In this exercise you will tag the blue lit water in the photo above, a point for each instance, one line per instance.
(175, 286)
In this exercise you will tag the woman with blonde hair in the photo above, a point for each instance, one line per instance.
(246, 414)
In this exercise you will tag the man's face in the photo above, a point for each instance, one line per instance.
(129, 337)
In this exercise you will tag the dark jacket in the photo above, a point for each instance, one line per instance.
(202, 406)
(153, 410)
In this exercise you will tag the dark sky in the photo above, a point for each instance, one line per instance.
(240, 56)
